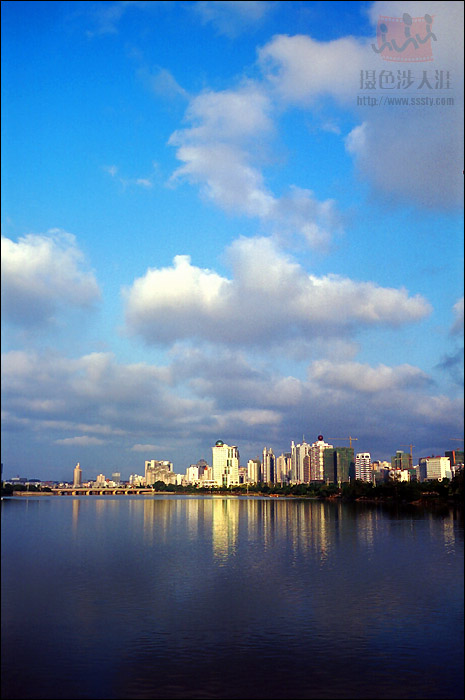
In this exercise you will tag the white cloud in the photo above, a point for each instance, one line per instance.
(144, 448)
(269, 299)
(248, 417)
(363, 378)
(300, 69)
(42, 274)
(80, 441)
(232, 17)
(408, 153)
(222, 152)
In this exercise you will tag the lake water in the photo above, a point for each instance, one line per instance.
(229, 597)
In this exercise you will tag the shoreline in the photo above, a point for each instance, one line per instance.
(422, 502)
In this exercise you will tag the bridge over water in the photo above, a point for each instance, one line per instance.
(100, 491)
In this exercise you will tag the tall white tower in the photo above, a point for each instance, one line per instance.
(77, 476)
(225, 464)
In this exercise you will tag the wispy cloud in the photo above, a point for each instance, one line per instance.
(114, 172)
(163, 83)
(223, 152)
(144, 448)
(457, 326)
(80, 441)
(107, 16)
(232, 18)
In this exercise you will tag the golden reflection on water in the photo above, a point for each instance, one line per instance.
(307, 526)
(75, 511)
(225, 527)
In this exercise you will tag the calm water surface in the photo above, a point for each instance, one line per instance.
(224, 597)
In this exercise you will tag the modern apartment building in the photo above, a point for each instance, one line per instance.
(317, 450)
(363, 468)
(225, 464)
(254, 471)
(283, 468)
(298, 454)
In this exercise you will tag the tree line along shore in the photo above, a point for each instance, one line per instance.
(413, 492)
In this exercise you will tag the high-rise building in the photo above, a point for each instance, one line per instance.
(283, 468)
(338, 465)
(317, 451)
(254, 471)
(77, 475)
(225, 464)
(268, 466)
(116, 478)
(298, 454)
(363, 468)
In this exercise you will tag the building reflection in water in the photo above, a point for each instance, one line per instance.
(75, 514)
(366, 528)
(225, 527)
(306, 527)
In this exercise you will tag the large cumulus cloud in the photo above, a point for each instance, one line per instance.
(269, 299)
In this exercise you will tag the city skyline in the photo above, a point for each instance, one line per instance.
(208, 231)
(295, 466)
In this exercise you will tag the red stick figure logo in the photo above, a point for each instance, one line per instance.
(405, 39)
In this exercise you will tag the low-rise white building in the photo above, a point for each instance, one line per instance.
(399, 474)
(434, 468)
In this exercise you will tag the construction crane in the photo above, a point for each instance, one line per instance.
(350, 438)
(409, 445)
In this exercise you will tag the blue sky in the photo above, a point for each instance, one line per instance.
(207, 235)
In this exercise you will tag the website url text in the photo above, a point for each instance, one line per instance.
(384, 100)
